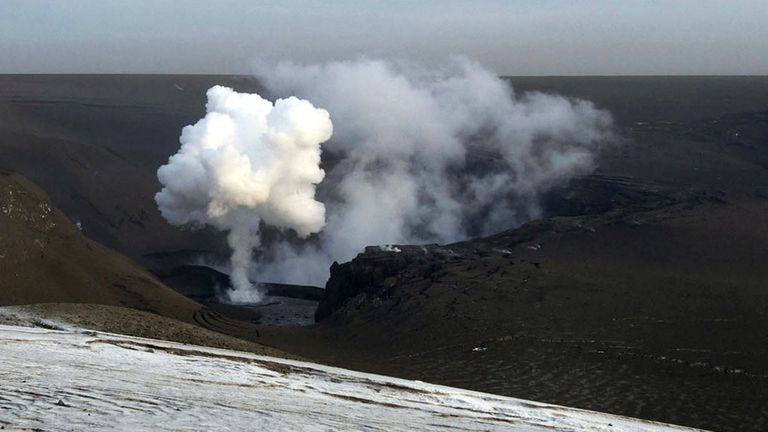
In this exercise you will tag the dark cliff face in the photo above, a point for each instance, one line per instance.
(371, 275)
(394, 277)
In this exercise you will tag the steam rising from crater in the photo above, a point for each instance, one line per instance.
(422, 155)
(246, 162)
(419, 155)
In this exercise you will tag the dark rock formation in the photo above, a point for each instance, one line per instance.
(365, 275)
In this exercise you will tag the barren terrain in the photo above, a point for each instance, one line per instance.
(640, 292)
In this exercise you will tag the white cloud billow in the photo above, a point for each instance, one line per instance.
(424, 155)
(245, 162)
(418, 155)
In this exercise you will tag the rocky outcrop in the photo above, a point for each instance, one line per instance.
(382, 272)
(369, 274)
(388, 274)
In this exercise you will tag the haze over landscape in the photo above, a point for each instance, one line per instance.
(496, 215)
(512, 37)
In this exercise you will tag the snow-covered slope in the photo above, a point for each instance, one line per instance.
(81, 380)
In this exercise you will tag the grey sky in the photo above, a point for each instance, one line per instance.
(542, 37)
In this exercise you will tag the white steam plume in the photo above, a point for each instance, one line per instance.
(247, 162)
(427, 155)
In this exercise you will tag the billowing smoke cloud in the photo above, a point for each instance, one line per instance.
(424, 155)
(419, 155)
(247, 162)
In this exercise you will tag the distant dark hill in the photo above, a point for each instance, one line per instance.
(44, 258)
(109, 197)
(653, 99)
(94, 143)
(682, 133)
(137, 117)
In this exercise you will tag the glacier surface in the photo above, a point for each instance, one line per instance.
(73, 379)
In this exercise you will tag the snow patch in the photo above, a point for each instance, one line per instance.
(60, 380)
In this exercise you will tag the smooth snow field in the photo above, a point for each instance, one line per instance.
(56, 380)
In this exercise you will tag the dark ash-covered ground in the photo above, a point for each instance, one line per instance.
(641, 292)
(658, 314)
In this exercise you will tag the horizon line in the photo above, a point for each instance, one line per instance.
(500, 76)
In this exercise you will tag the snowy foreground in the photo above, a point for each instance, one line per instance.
(81, 380)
